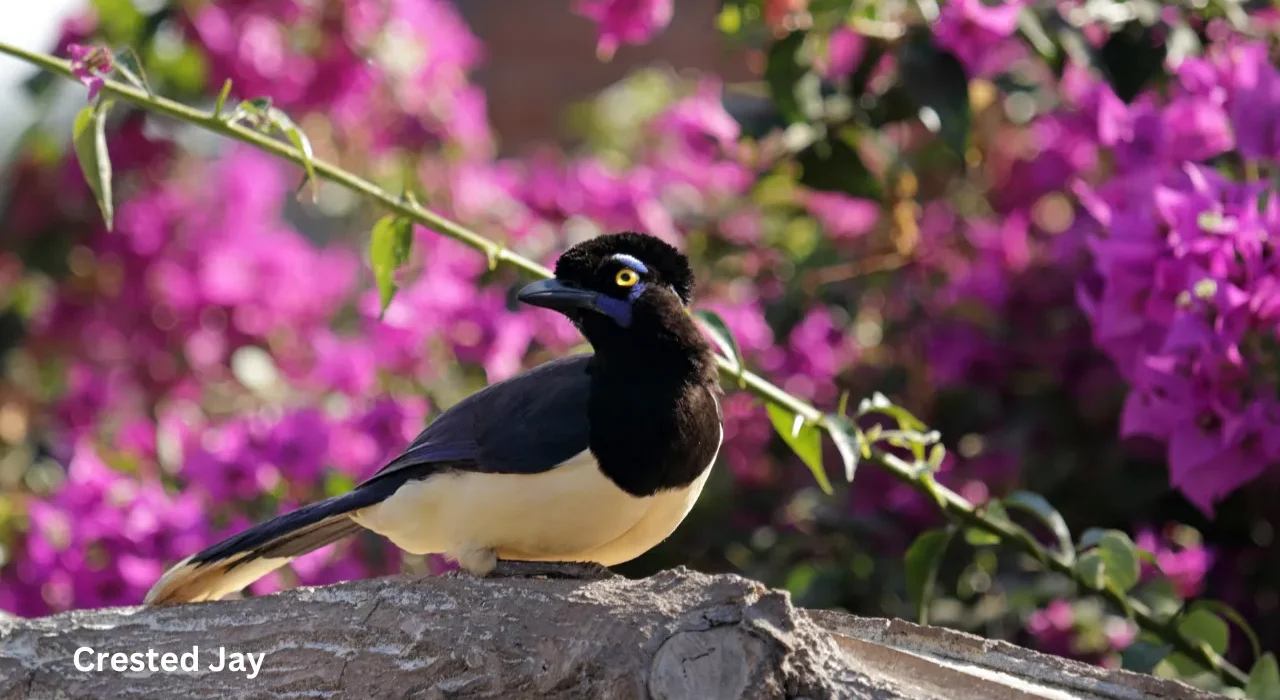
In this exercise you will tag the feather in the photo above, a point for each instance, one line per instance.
(239, 560)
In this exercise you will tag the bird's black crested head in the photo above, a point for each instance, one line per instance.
(617, 277)
(595, 263)
(625, 291)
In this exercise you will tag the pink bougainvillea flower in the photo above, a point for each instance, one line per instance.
(975, 32)
(1186, 565)
(842, 216)
(90, 64)
(845, 49)
(621, 22)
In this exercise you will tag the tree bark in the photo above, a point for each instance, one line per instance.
(675, 635)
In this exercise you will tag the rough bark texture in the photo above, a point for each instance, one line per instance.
(675, 635)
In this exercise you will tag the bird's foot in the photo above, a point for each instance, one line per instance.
(587, 570)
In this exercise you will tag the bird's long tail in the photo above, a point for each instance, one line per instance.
(237, 561)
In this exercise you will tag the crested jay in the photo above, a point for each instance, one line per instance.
(593, 458)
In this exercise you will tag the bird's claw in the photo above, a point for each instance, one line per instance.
(551, 569)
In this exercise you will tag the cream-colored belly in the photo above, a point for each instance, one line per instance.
(571, 513)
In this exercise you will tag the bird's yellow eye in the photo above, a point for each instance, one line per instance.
(626, 278)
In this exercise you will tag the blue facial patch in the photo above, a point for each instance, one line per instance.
(617, 309)
(631, 262)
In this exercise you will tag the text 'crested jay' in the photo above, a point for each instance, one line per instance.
(592, 458)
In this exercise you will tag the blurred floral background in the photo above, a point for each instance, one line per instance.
(1044, 228)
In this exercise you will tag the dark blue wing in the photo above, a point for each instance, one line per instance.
(523, 425)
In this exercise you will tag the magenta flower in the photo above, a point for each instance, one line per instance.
(1185, 565)
(819, 346)
(845, 48)
(89, 64)
(976, 33)
(621, 22)
(101, 539)
(1253, 84)
(843, 217)
(1053, 626)
(344, 67)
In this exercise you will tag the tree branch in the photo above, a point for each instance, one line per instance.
(951, 503)
(676, 635)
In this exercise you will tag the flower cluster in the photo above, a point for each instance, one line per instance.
(621, 22)
(977, 33)
(1186, 304)
(1180, 557)
(1083, 630)
(101, 539)
(389, 74)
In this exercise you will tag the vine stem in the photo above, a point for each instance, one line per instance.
(952, 504)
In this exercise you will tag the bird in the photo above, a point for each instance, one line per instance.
(588, 460)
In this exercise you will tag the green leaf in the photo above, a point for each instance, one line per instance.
(1093, 570)
(222, 99)
(935, 80)
(1036, 505)
(1142, 656)
(719, 331)
(1202, 626)
(253, 111)
(870, 437)
(1222, 609)
(1090, 538)
(842, 409)
(1117, 550)
(931, 485)
(922, 561)
(846, 440)
(389, 247)
(135, 75)
(994, 511)
(1120, 597)
(89, 138)
(834, 166)
(492, 256)
(1183, 666)
(792, 84)
(803, 439)
(303, 144)
(936, 454)
(1093, 536)
(1264, 680)
(1160, 596)
(906, 419)
(979, 537)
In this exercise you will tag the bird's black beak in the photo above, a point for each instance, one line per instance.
(554, 294)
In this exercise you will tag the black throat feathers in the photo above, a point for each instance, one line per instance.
(653, 407)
